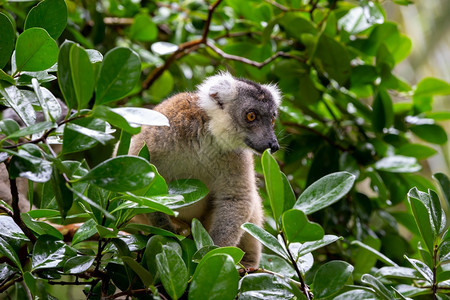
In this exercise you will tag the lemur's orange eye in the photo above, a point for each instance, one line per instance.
(273, 122)
(251, 116)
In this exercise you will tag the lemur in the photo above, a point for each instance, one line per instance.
(212, 136)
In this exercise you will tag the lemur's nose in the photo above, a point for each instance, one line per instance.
(274, 147)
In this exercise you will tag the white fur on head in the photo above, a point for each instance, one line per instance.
(216, 91)
(275, 91)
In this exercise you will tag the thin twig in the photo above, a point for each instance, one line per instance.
(6, 210)
(250, 62)
(10, 283)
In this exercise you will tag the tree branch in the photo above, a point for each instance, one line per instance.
(250, 62)
(16, 211)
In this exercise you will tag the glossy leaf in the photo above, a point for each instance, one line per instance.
(379, 288)
(78, 264)
(85, 231)
(422, 268)
(122, 173)
(298, 228)
(421, 215)
(48, 252)
(119, 73)
(331, 277)
(63, 195)
(192, 191)
(32, 129)
(200, 235)
(418, 151)
(216, 278)
(274, 184)
(173, 272)
(65, 80)
(40, 228)
(398, 272)
(25, 165)
(325, 192)
(7, 250)
(143, 274)
(99, 136)
(379, 255)
(142, 116)
(265, 238)
(264, 286)
(311, 246)
(426, 89)
(35, 50)
(109, 115)
(444, 182)
(9, 229)
(50, 15)
(82, 75)
(154, 247)
(6, 40)
(74, 141)
(398, 164)
(19, 103)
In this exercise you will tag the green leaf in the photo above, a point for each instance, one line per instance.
(192, 191)
(173, 272)
(63, 195)
(99, 136)
(216, 278)
(143, 28)
(154, 247)
(234, 252)
(7, 250)
(25, 165)
(444, 182)
(379, 288)
(274, 184)
(421, 215)
(144, 275)
(32, 129)
(143, 202)
(298, 228)
(331, 278)
(265, 238)
(6, 77)
(35, 50)
(426, 89)
(142, 116)
(50, 15)
(333, 59)
(85, 231)
(65, 80)
(398, 272)
(19, 103)
(9, 229)
(418, 151)
(6, 40)
(121, 173)
(422, 268)
(312, 246)
(264, 286)
(379, 255)
(119, 73)
(383, 112)
(437, 213)
(431, 133)
(48, 252)
(8, 127)
(398, 164)
(78, 264)
(356, 19)
(355, 295)
(109, 115)
(325, 192)
(82, 75)
(200, 235)
(162, 86)
(40, 228)
(74, 141)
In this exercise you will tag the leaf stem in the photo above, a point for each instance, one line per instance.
(303, 287)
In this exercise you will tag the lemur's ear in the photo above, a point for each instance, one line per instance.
(275, 91)
(217, 90)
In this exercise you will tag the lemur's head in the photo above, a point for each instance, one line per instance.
(242, 112)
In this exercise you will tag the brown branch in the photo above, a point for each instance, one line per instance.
(93, 282)
(10, 283)
(16, 211)
(183, 49)
(250, 62)
(278, 5)
(6, 210)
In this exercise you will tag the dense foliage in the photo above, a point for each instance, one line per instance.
(349, 216)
